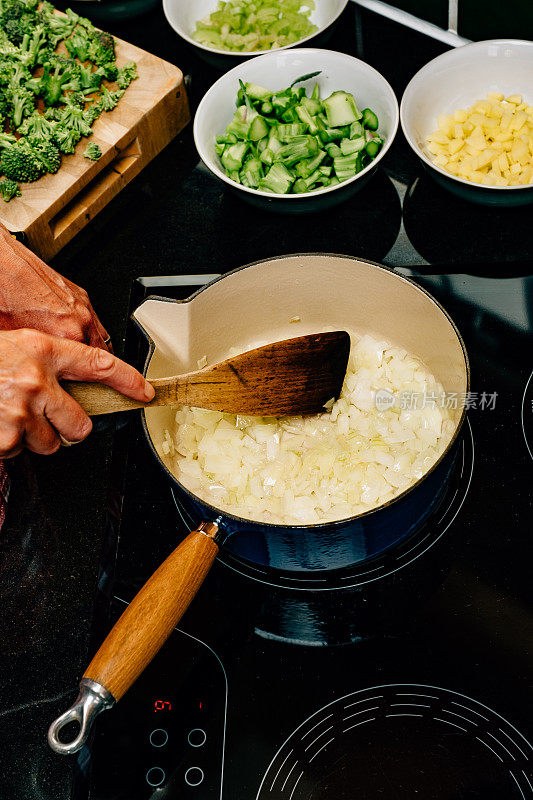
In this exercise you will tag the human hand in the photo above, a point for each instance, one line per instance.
(34, 410)
(33, 295)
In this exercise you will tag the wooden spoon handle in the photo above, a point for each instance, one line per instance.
(155, 611)
(95, 398)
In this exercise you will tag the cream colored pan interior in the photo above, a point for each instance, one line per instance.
(256, 304)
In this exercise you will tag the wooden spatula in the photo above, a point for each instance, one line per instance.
(296, 376)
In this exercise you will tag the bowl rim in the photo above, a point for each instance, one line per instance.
(246, 53)
(319, 53)
(448, 55)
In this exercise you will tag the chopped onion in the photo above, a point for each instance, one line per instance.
(325, 467)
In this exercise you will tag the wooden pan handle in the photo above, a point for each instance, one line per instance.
(155, 611)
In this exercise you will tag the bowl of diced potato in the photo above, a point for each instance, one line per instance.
(468, 115)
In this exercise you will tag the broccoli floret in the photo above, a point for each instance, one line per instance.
(92, 151)
(89, 79)
(52, 82)
(101, 48)
(127, 74)
(37, 127)
(92, 113)
(9, 189)
(48, 154)
(78, 44)
(109, 100)
(19, 163)
(108, 71)
(66, 139)
(22, 104)
(34, 47)
(15, 20)
(7, 48)
(58, 27)
(72, 116)
(7, 139)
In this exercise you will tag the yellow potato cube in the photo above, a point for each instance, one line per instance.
(489, 143)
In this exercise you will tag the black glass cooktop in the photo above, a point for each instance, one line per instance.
(409, 679)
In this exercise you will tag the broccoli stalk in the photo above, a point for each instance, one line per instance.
(22, 104)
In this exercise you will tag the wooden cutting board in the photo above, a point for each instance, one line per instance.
(152, 111)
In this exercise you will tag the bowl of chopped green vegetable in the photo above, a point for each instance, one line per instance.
(226, 32)
(293, 138)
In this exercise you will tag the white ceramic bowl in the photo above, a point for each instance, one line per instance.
(277, 70)
(455, 80)
(182, 15)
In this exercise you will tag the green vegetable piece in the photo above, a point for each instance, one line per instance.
(66, 139)
(346, 166)
(298, 148)
(313, 106)
(308, 166)
(305, 116)
(285, 133)
(373, 147)
(241, 122)
(127, 74)
(267, 107)
(258, 129)
(315, 95)
(252, 172)
(341, 109)
(333, 150)
(233, 156)
(356, 130)
(49, 156)
(18, 163)
(349, 146)
(300, 186)
(278, 180)
(9, 189)
(370, 120)
(92, 152)
(258, 92)
(306, 77)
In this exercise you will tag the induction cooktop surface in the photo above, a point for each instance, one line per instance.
(406, 677)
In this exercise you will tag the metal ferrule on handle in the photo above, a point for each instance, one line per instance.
(91, 701)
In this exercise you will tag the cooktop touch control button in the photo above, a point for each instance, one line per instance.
(158, 737)
(197, 737)
(194, 776)
(155, 776)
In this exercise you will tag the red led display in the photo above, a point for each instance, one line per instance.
(162, 705)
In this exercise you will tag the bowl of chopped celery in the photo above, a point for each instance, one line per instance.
(296, 131)
(226, 31)
(468, 116)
